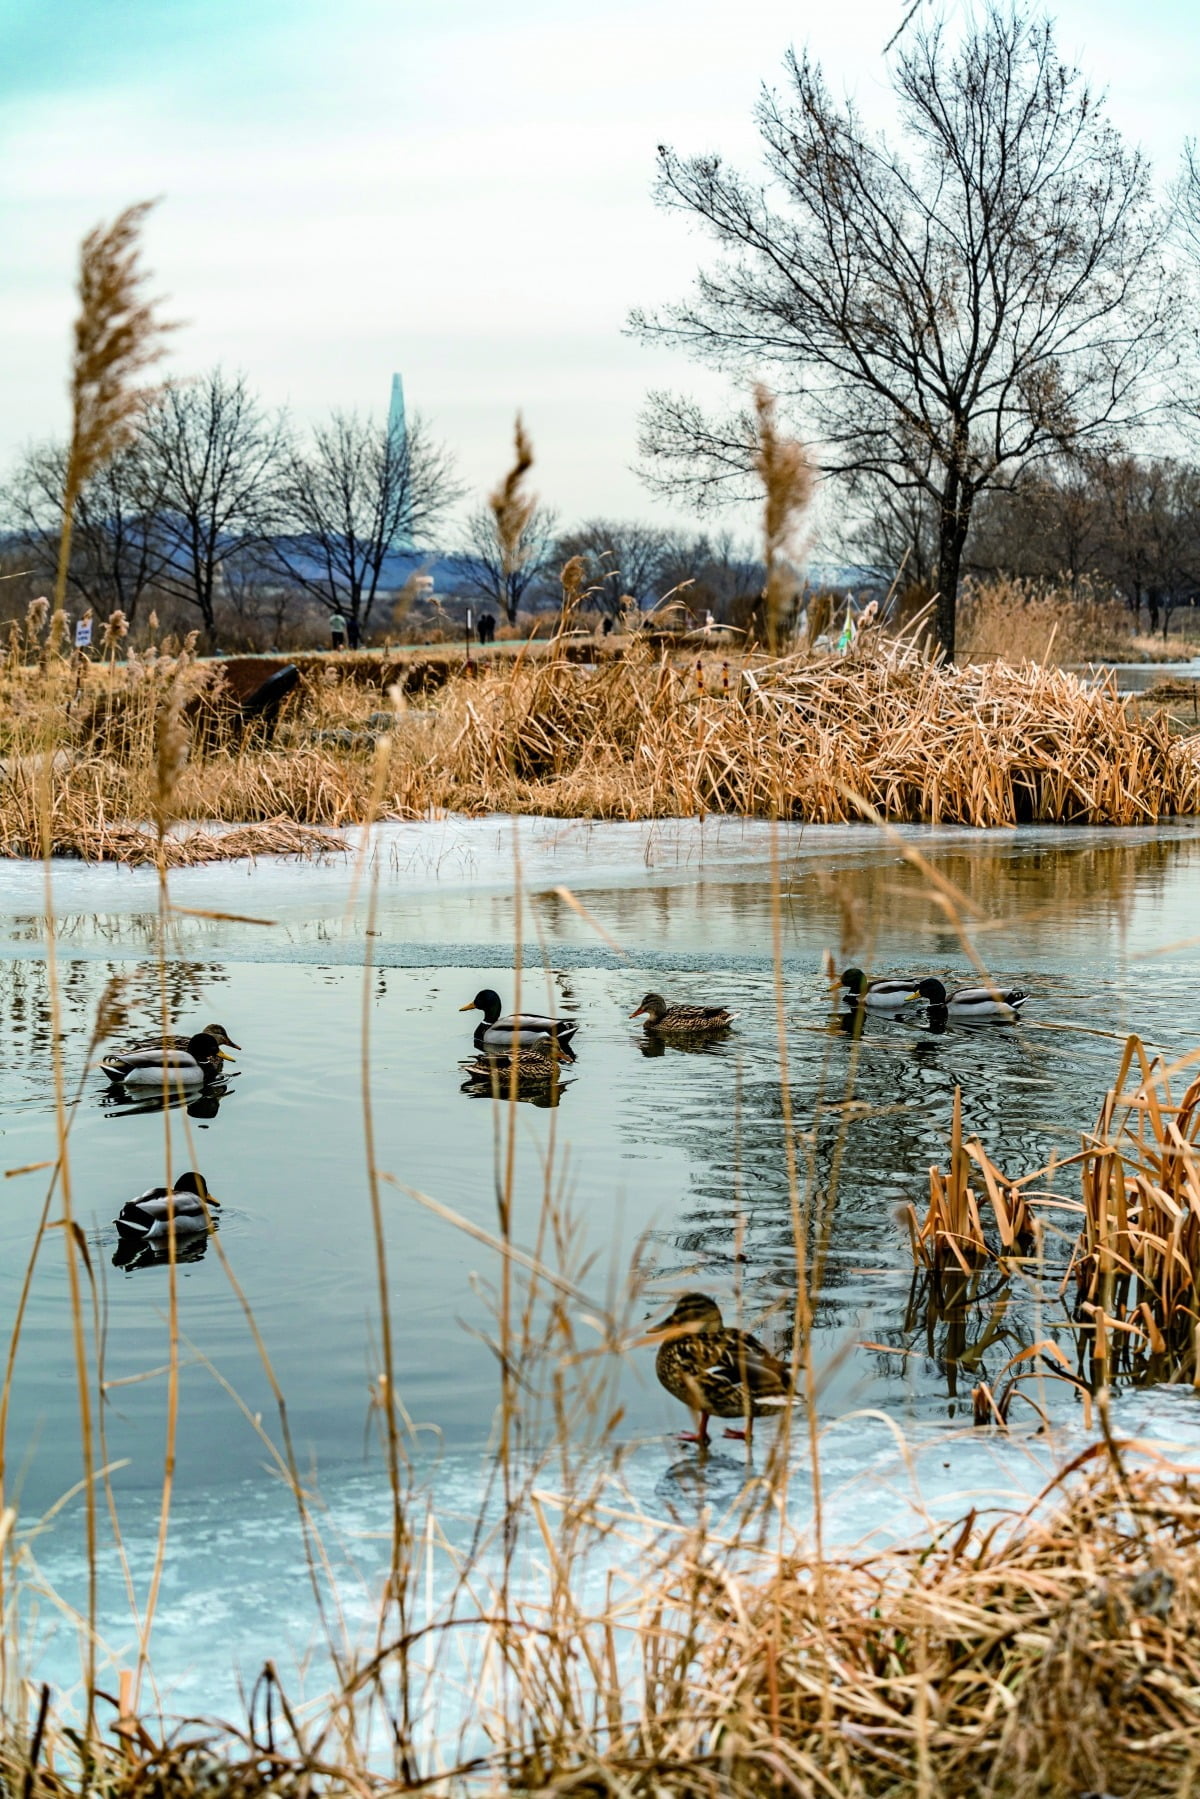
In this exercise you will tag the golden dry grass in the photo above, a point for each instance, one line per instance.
(641, 736)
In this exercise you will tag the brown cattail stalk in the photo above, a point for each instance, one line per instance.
(117, 336)
(513, 508)
(783, 466)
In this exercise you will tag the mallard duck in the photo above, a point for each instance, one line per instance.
(197, 1062)
(524, 1028)
(539, 1060)
(973, 1002)
(893, 991)
(718, 1371)
(180, 1041)
(681, 1020)
(148, 1217)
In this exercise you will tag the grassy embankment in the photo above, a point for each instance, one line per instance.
(640, 731)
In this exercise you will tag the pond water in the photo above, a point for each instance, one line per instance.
(676, 1158)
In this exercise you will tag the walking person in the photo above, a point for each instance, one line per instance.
(337, 632)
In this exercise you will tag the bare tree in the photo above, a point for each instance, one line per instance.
(117, 552)
(713, 573)
(356, 494)
(941, 317)
(621, 557)
(480, 565)
(215, 455)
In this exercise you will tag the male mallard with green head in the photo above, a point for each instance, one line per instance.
(889, 991)
(180, 1040)
(149, 1217)
(494, 1034)
(196, 1063)
(717, 1371)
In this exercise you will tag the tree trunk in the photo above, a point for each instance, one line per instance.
(952, 537)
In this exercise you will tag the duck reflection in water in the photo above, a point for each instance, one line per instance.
(654, 1045)
(538, 1083)
(120, 1102)
(130, 1254)
(706, 1478)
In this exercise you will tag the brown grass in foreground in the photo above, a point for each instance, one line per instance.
(1052, 1652)
(817, 739)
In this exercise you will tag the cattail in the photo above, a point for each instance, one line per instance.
(36, 614)
(116, 627)
(152, 623)
(57, 634)
(513, 508)
(171, 748)
(117, 337)
(783, 467)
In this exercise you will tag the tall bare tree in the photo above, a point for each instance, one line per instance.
(484, 569)
(937, 315)
(117, 550)
(358, 492)
(621, 556)
(215, 454)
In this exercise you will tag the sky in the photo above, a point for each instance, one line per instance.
(460, 191)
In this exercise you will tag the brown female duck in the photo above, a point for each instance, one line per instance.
(716, 1370)
(681, 1021)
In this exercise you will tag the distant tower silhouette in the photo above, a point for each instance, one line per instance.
(397, 423)
(397, 426)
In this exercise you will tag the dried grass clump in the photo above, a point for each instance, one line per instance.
(813, 740)
(1014, 620)
(952, 1234)
(1135, 1262)
(92, 748)
(1049, 1655)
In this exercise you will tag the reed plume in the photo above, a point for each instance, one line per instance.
(118, 335)
(782, 465)
(512, 507)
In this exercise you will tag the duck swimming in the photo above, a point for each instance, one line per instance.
(197, 1062)
(892, 991)
(716, 1370)
(148, 1217)
(496, 1033)
(681, 1021)
(216, 1031)
(974, 1002)
(539, 1060)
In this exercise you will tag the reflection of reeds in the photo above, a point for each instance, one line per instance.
(1137, 1264)
(952, 1232)
(1136, 1261)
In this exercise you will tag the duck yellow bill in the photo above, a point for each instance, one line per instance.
(225, 1056)
(469, 1007)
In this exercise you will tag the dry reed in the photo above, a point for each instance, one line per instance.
(822, 740)
(117, 337)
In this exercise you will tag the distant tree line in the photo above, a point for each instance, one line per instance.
(219, 516)
(225, 516)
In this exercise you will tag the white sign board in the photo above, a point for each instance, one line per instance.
(83, 634)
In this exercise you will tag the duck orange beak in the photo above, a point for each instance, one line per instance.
(469, 1007)
(638, 1013)
(225, 1056)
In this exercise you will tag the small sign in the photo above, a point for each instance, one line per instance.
(83, 634)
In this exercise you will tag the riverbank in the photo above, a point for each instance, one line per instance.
(95, 757)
